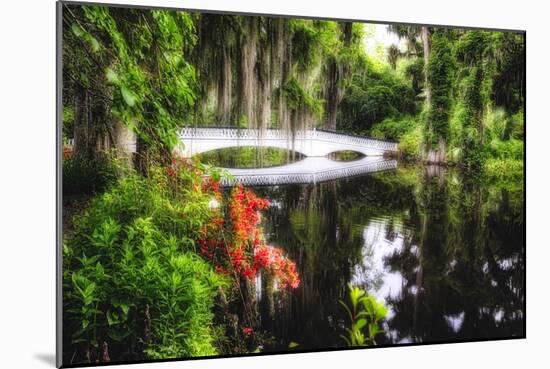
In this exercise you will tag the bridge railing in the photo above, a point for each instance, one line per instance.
(307, 177)
(256, 134)
(354, 140)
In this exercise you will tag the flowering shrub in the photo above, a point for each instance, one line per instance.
(238, 247)
(67, 152)
(133, 278)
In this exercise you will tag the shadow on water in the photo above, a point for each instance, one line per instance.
(444, 251)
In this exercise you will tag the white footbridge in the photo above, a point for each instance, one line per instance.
(315, 145)
(309, 142)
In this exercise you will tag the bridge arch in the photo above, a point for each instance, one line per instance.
(311, 143)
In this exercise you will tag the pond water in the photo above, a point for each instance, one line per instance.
(445, 252)
(245, 157)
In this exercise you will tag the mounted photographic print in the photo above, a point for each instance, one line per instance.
(239, 184)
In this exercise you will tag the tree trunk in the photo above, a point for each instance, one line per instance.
(425, 36)
(332, 97)
(336, 74)
(124, 139)
(437, 155)
(142, 156)
(248, 80)
(224, 89)
(81, 123)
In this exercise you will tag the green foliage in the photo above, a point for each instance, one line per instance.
(138, 58)
(511, 149)
(132, 277)
(508, 87)
(89, 176)
(478, 53)
(407, 130)
(345, 155)
(467, 112)
(365, 314)
(439, 71)
(497, 125)
(517, 122)
(414, 70)
(394, 128)
(299, 99)
(67, 122)
(504, 169)
(500, 133)
(306, 41)
(393, 55)
(410, 145)
(473, 46)
(473, 157)
(373, 96)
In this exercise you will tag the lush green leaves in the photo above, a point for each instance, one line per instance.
(440, 72)
(142, 58)
(365, 314)
(131, 272)
(375, 94)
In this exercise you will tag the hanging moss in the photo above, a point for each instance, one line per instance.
(305, 44)
(439, 72)
(475, 54)
(253, 65)
(297, 98)
(215, 57)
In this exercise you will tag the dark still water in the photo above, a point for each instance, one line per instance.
(444, 252)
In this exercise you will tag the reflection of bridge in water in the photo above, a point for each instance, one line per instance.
(308, 170)
(314, 144)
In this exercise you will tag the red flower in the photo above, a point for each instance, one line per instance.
(236, 246)
(247, 331)
(210, 185)
(67, 152)
(262, 258)
(249, 272)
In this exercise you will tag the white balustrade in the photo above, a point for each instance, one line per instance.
(312, 141)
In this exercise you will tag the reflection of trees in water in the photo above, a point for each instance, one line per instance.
(461, 259)
(249, 157)
(316, 231)
(468, 279)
